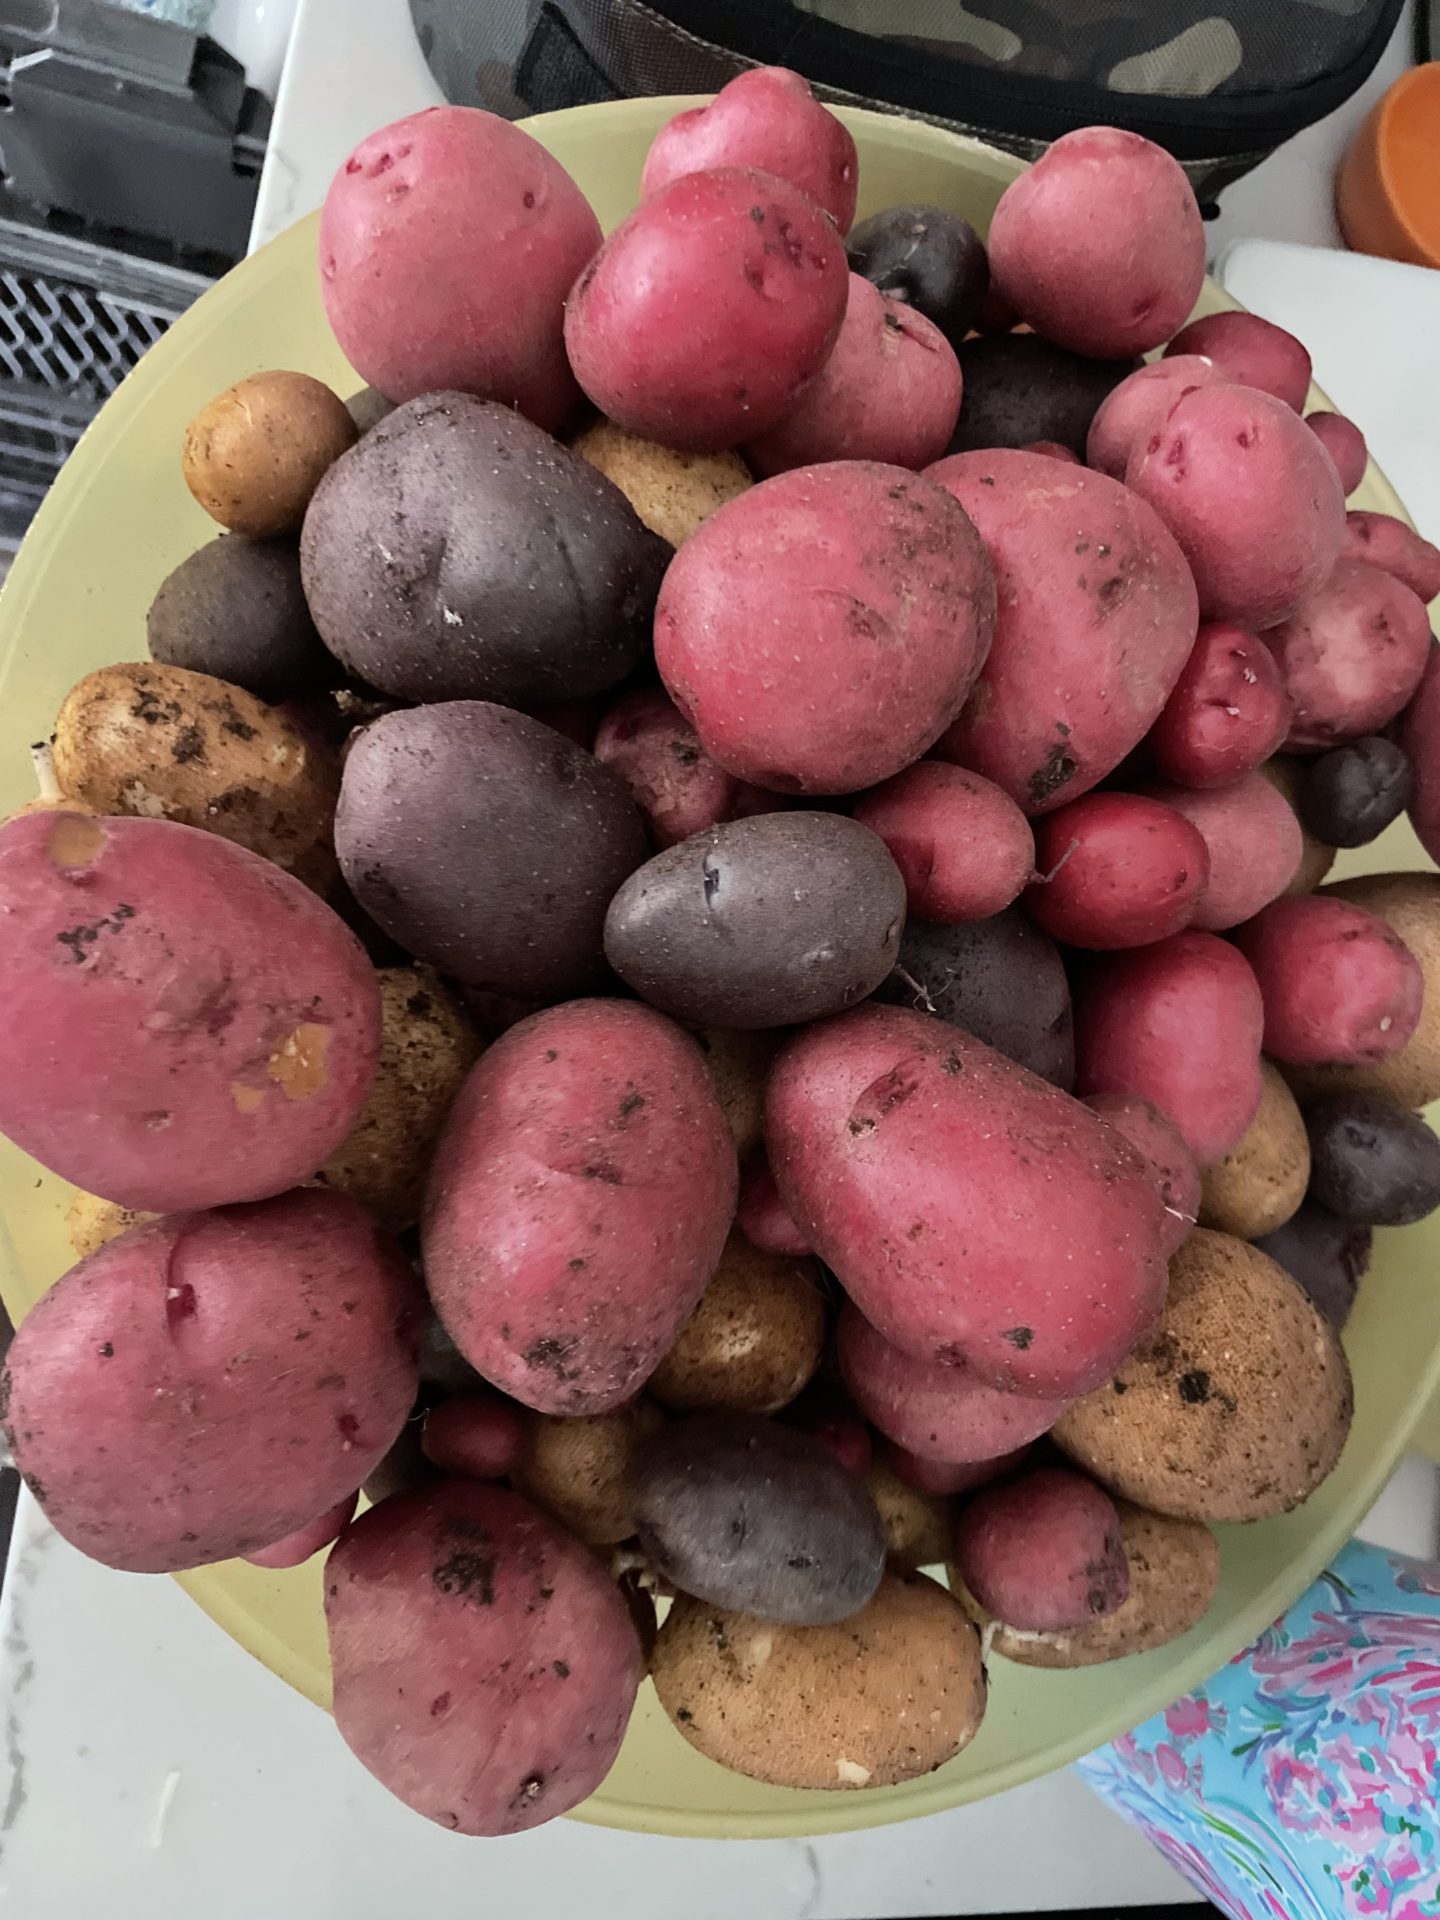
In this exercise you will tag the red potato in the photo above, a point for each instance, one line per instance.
(296, 1548)
(845, 1438)
(165, 987)
(942, 1477)
(578, 1202)
(485, 1663)
(1043, 1553)
(705, 314)
(1250, 494)
(1250, 351)
(1228, 712)
(1157, 1139)
(762, 1215)
(1117, 870)
(1386, 542)
(820, 631)
(939, 1181)
(962, 845)
(210, 1383)
(1253, 841)
(1345, 444)
(1340, 988)
(657, 757)
(766, 118)
(448, 243)
(479, 1435)
(1419, 736)
(1130, 413)
(1053, 450)
(1178, 1024)
(1097, 615)
(889, 391)
(1351, 655)
(941, 1413)
(1100, 244)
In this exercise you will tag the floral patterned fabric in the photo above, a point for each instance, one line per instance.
(1303, 1781)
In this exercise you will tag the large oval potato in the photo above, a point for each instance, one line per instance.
(760, 923)
(185, 1025)
(485, 1663)
(211, 1382)
(578, 1203)
(972, 1211)
(487, 844)
(459, 553)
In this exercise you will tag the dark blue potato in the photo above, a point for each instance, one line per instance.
(757, 1517)
(1020, 389)
(1001, 979)
(1372, 1163)
(932, 260)
(1328, 1256)
(487, 844)
(1349, 796)
(458, 552)
(236, 609)
(764, 922)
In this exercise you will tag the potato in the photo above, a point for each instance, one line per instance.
(1287, 775)
(658, 759)
(1235, 1408)
(448, 242)
(1111, 283)
(1118, 870)
(820, 632)
(427, 1046)
(1228, 711)
(1419, 735)
(705, 314)
(368, 408)
(1179, 1024)
(578, 1470)
(760, 923)
(1374, 1164)
(482, 1436)
(210, 1383)
(671, 492)
(1262, 1180)
(1053, 451)
(919, 1527)
(578, 1203)
(1251, 496)
(91, 1223)
(743, 1513)
(485, 1663)
(755, 1340)
(944, 1413)
(1351, 794)
(254, 456)
(164, 988)
(762, 1216)
(1043, 1553)
(768, 118)
(459, 553)
(236, 609)
(403, 1469)
(1157, 1139)
(1253, 842)
(941, 1478)
(739, 1063)
(1351, 655)
(1135, 409)
(1388, 543)
(928, 257)
(1339, 986)
(487, 845)
(1326, 1257)
(909, 1153)
(888, 1696)
(1087, 644)
(1000, 979)
(302, 1545)
(1252, 351)
(962, 846)
(1345, 444)
(1174, 1572)
(167, 744)
(1019, 390)
(889, 391)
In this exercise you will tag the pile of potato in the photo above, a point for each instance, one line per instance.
(700, 960)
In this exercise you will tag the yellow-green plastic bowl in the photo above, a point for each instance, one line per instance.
(119, 518)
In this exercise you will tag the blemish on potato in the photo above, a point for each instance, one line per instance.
(74, 842)
(247, 1099)
(298, 1064)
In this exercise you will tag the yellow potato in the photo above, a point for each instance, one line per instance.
(919, 1527)
(672, 492)
(579, 1469)
(1258, 1186)
(739, 1064)
(1316, 858)
(755, 1339)
(92, 1222)
(257, 452)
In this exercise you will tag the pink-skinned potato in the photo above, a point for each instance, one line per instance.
(1384, 541)
(1250, 351)
(657, 757)
(1340, 987)
(302, 1545)
(941, 1413)
(1419, 735)
(1178, 1024)
(1097, 615)
(164, 988)
(481, 1435)
(1157, 1139)
(962, 845)
(1351, 655)
(1043, 1553)
(704, 316)
(578, 1203)
(1135, 409)
(973, 1212)
(943, 1477)
(1253, 840)
(1117, 870)
(822, 630)
(210, 1383)
(485, 1663)
(448, 243)
(760, 1213)
(1227, 713)
(1345, 444)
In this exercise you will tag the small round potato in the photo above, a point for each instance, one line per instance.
(886, 1696)
(1235, 1408)
(91, 1222)
(578, 1469)
(919, 1527)
(1260, 1183)
(257, 452)
(753, 1342)
(672, 492)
